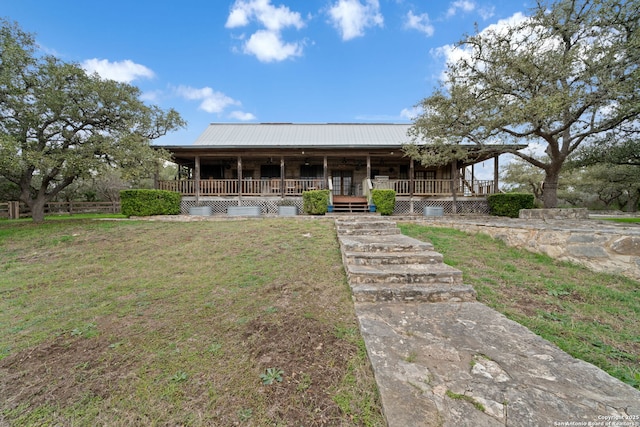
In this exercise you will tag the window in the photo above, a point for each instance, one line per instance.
(311, 171)
(270, 171)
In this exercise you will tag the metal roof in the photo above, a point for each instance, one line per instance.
(233, 135)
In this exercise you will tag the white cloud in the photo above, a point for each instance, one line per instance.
(452, 54)
(421, 23)
(210, 100)
(273, 18)
(411, 113)
(123, 71)
(351, 17)
(241, 115)
(460, 5)
(266, 44)
(487, 12)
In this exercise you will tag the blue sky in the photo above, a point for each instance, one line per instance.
(304, 61)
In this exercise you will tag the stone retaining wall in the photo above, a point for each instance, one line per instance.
(597, 245)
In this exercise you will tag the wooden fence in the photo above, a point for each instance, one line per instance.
(14, 210)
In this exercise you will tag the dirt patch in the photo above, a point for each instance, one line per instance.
(61, 372)
(298, 346)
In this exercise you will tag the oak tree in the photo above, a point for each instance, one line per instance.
(57, 123)
(563, 76)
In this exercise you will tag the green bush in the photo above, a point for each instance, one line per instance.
(385, 201)
(149, 202)
(509, 204)
(315, 202)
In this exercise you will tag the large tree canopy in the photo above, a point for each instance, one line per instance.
(58, 124)
(565, 75)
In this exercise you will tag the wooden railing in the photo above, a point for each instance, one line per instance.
(250, 187)
(295, 187)
(440, 187)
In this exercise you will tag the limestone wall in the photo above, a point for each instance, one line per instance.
(598, 245)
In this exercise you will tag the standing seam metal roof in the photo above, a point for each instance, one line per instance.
(304, 135)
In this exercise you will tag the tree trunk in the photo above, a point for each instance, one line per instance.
(37, 208)
(634, 200)
(550, 188)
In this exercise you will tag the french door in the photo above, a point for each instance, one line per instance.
(342, 182)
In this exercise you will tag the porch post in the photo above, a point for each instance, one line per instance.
(282, 176)
(495, 174)
(368, 166)
(411, 185)
(325, 172)
(239, 181)
(197, 180)
(473, 177)
(454, 180)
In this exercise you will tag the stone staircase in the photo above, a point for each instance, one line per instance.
(384, 265)
(442, 359)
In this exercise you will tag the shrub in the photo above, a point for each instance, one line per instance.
(509, 204)
(315, 202)
(385, 201)
(149, 202)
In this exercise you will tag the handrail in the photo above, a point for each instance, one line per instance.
(295, 187)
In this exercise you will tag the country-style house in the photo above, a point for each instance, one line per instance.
(270, 164)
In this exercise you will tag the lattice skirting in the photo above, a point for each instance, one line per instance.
(478, 206)
(403, 207)
(219, 206)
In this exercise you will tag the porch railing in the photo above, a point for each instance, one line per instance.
(295, 187)
(441, 187)
(250, 187)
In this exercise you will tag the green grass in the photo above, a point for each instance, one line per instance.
(592, 316)
(65, 217)
(624, 220)
(152, 323)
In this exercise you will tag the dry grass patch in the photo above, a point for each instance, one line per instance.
(149, 323)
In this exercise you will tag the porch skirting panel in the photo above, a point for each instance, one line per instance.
(403, 206)
(463, 206)
(219, 206)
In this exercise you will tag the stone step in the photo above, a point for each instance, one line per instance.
(383, 243)
(368, 223)
(412, 293)
(370, 232)
(384, 258)
(366, 228)
(412, 274)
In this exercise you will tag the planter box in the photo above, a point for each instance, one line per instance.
(200, 210)
(433, 211)
(243, 210)
(287, 210)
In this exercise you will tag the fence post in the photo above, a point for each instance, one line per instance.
(14, 210)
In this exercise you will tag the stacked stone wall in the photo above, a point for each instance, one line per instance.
(594, 244)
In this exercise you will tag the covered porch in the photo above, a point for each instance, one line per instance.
(270, 174)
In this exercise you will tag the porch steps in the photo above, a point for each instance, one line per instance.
(350, 204)
(384, 265)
